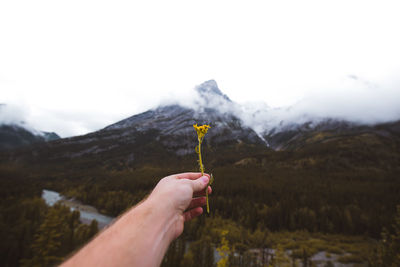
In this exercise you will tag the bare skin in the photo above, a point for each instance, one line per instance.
(141, 236)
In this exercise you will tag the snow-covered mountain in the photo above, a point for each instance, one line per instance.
(163, 132)
(169, 128)
(286, 128)
(173, 123)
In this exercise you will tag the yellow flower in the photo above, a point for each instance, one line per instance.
(201, 130)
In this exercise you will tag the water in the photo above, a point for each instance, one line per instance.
(88, 216)
(51, 197)
(88, 213)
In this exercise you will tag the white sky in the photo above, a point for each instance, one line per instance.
(77, 66)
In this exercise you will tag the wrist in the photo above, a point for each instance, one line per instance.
(161, 213)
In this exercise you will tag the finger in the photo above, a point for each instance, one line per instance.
(203, 192)
(199, 184)
(193, 213)
(197, 202)
(190, 175)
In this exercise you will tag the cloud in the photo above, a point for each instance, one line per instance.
(91, 71)
(64, 123)
(352, 99)
(12, 114)
(70, 123)
(16, 115)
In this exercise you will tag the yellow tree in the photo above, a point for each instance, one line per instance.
(224, 250)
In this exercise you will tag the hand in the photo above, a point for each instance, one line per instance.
(141, 236)
(181, 195)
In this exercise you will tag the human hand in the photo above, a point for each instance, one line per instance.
(180, 196)
(141, 236)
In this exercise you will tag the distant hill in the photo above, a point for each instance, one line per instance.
(296, 136)
(14, 136)
(15, 133)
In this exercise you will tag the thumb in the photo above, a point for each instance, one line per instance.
(200, 184)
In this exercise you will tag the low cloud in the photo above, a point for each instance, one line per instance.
(12, 114)
(352, 99)
(70, 123)
(16, 115)
(64, 123)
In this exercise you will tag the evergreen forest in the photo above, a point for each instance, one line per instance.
(268, 208)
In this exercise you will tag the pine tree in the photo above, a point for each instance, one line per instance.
(48, 244)
(388, 251)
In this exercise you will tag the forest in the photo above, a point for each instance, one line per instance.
(268, 208)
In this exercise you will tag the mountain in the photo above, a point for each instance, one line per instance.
(15, 133)
(295, 136)
(164, 133)
(50, 136)
(174, 122)
(167, 131)
(13, 136)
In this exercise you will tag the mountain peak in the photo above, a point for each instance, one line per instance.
(209, 89)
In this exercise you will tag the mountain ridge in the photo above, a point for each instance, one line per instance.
(172, 128)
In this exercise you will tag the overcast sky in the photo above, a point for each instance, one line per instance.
(77, 66)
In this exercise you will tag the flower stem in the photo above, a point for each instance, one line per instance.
(202, 173)
(208, 206)
(200, 161)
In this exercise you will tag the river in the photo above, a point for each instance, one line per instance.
(88, 213)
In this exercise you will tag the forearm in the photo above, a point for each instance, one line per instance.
(139, 238)
(142, 235)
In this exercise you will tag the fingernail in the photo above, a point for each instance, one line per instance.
(204, 179)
